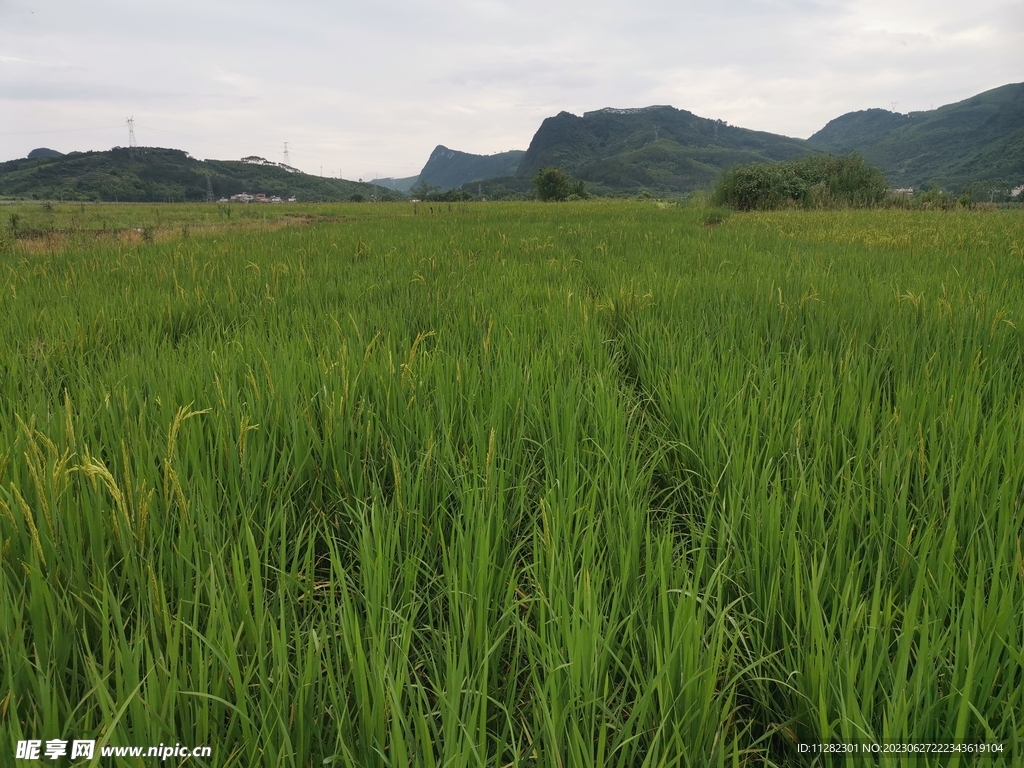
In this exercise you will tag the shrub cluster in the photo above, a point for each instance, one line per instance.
(815, 181)
(553, 184)
(429, 193)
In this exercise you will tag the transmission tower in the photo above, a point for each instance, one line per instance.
(209, 188)
(131, 136)
(287, 161)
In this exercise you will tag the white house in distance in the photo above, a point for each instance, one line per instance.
(245, 197)
(1016, 191)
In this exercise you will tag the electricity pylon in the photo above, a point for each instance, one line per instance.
(131, 136)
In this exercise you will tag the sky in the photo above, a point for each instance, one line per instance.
(367, 90)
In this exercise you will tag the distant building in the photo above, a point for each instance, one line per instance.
(260, 197)
(1016, 191)
(905, 191)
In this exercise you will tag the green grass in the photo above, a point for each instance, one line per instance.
(518, 484)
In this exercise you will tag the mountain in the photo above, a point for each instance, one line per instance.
(450, 169)
(660, 149)
(153, 174)
(972, 141)
(401, 185)
(44, 152)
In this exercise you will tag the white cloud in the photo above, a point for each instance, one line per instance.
(372, 87)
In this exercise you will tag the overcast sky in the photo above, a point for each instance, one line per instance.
(368, 89)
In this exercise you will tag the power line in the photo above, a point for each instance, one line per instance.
(60, 130)
(204, 140)
(220, 142)
(133, 142)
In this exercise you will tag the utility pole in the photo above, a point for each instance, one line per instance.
(131, 136)
(209, 188)
(287, 161)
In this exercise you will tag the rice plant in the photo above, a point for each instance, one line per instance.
(518, 485)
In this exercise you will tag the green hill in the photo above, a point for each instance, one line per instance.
(450, 169)
(660, 149)
(972, 141)
(44, 152)
(152, 174)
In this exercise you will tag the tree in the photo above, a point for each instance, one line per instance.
(423, 190)
(552, 184)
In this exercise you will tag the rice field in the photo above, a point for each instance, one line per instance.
(591, 484)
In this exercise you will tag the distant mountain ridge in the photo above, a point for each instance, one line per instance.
(975, 140)
(666, 150)
(154, 174)
(617, 151)
(450, 169)
(660, 149)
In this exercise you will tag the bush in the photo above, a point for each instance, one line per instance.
(935, 198)
(815, 181)
(450, 196)
(556, 185)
